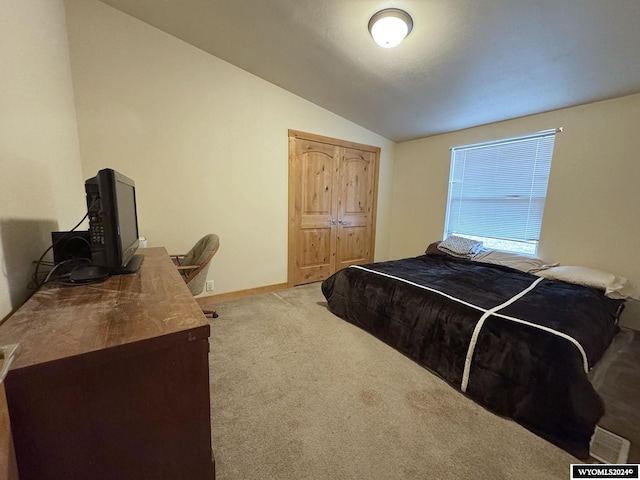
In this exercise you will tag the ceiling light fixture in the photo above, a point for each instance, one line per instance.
(390, 26)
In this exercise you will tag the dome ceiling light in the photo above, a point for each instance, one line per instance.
(390, 26)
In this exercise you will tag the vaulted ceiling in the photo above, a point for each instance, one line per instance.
(466, 62)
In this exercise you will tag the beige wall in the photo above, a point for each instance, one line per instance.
(592, 212)
(205, 142)
(41, 186)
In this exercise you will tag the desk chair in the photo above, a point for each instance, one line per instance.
(194, 265)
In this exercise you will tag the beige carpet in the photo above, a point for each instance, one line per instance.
(298, 393)
(616, 378)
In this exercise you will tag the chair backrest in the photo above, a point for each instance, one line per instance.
(201, 255)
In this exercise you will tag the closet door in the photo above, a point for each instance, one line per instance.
(313, 174)
(356, 204)
(332, 205)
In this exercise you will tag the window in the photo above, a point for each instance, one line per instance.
(497, 191)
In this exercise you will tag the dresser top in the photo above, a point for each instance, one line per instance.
(153, 306)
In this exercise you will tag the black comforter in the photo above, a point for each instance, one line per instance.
(526, 360)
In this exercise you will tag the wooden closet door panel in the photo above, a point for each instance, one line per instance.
(314, 191)
(332, 205)
(356, 206)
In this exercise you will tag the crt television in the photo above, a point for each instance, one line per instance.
(113, 222)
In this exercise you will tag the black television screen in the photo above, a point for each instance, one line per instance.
(113, 221)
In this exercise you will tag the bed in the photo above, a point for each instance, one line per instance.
(519, 344)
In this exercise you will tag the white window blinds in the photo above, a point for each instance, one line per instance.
(497, 191)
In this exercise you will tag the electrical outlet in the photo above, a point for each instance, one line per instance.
(210, 286)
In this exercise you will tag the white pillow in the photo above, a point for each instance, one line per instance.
(613, 285)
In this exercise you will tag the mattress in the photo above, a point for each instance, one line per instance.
(517, 344)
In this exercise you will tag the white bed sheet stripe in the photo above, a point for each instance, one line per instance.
(476, 331)
(486, 314)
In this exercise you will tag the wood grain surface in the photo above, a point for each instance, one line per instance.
(61, 321)
(8, 467)
(113, 379)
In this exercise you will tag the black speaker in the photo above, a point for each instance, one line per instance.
(71, 245)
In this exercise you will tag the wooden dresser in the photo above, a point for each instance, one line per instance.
(112, 381)
(8, 468)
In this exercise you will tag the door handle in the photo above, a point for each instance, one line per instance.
(344, 222)
(332, 221)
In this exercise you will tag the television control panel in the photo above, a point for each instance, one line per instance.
(96, 224)
(97, 228)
